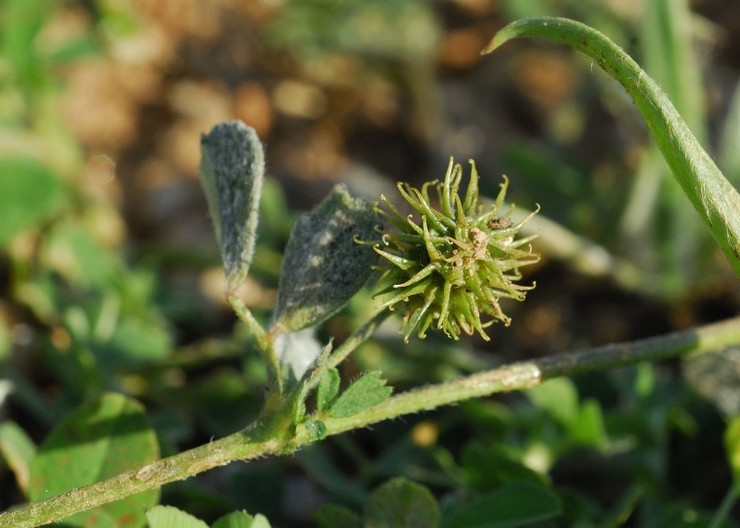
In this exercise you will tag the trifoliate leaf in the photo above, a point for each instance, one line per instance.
(232, 168)
(364, 393)
(324, 266)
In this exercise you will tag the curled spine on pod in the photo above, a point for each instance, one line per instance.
(448, 263)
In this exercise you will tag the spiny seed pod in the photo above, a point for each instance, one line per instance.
(451, 268)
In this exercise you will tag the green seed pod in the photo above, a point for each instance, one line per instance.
(450, 268)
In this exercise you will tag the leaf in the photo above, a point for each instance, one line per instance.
(368, 391)
(558, 397)
(18, 450)
(101, 439)
(324, 266)
(232, 169)
(29, 194)
(400, 503)
(241, 520)
(732, 446)
(328, 388)
(171, 517)
(511, 505)
(331, 516)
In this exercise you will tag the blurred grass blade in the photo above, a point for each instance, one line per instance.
(666, 45)
(232, 170)
(729, 154)
(716, 200)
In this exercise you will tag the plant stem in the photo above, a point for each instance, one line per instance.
(527, 374)
(269, 436)
(265, 345)
(714, 198)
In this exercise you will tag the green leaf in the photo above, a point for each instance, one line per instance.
(558, 397)
(713, 197)
(589, 429)
(232, 169)
(328, 388)
(732, 445)
(364, 393)
(331, 516)
(241, 520)
(170, 517)
(101, 439)
(29, 194)
(400, 503)
(511, 505)
(18, 450)
(324, 266)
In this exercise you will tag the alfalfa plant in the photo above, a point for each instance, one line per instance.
(446, 267)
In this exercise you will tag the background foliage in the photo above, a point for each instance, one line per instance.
(111, 281)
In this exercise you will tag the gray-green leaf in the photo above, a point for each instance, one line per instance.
(232, 169)
(364, 393)
(324, 266)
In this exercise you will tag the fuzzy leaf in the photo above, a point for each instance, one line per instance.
(171, 517)
(232, 169)
(102, 439)
(364, 393)
(401, 503)
(328, 388)
(323, 266)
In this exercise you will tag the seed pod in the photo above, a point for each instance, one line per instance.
(449, 267)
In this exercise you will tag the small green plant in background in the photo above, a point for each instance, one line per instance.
(448, 265)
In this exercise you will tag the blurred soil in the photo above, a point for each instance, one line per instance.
(367, 121)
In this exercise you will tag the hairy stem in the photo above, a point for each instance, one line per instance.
(715, 199)
(271, 436)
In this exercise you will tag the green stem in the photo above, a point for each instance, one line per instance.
(265, 345)
(240, 446)
(715, 199)
(271, 436)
